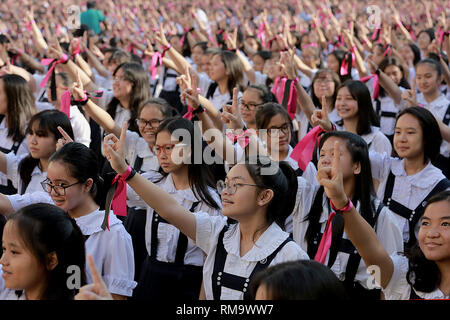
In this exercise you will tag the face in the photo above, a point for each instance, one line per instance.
(258, 63)
(310, 58)
(423, 40)
(407, 53)
(252, 43)
(348, 167)
(394, 73)
(206, 60)
(3, 99)
(427, 79)
(175, 43)
(408, 137)
(324, 85)
(333, 63)
(21, 269)
(346, 105)
(149, 113)
(40, 143)
(169, 155)
(434, 232)
(251, 98)
(243, 201)
(107, 55)
(272, 68)
(278, 134)
(217, 70)
(197, 53)
(58, 173)
(121, 87)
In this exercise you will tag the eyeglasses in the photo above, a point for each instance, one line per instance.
(166, 148)
(60, 189)
(250, 106)
(115, 78)
(231, 187)
(284, 128)
(153, 123)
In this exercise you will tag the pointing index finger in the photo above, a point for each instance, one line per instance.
(64, 134)
(336, 157)
(96, 277)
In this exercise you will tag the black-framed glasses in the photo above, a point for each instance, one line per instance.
(284, 128)
(153, 123)
(231, 187)
(59, 189)
(251, 106)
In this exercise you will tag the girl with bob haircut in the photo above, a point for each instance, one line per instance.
(258, 202)
(40, 244)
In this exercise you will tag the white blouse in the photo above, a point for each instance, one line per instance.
(207, 233)
(375, 140)
(168, 234)
(12, 173)
(398, 287)
(386, 229)
(408, 190)
(112, 251)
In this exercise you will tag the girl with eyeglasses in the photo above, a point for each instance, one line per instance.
(258, 200)
(172, 260)
(74, 185)
(27, 171)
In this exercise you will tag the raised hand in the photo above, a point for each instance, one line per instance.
(410, 96)
(331, 178)
(64, 140)
(114, 150)
(320, 117)
(231, 115)
(76, 89)
(287, 64)
(96, 290)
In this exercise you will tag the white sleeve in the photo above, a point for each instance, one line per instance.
(203, 83)
(105, 99)
(18, 201)
(381, 144)
(118, 265)
(81, 128)
(388, 232)
(380, 164)
(12, 168)
(207, 230)
(398, 287)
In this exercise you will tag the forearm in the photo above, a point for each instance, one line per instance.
(27, 59)
(391, 88)
(5, 205)
(248, 69)
(305, 102)
(445, 130)
(72, 70)
(303, 67)
(93, 60)
(102, 117)
(83, 65)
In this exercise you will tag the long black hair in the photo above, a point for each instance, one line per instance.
(423, 274)
(44, 229)
(342, 56)
(364, 190)
(82, 164)
(199, 175)
(139, 94)
(393, 61)
(48, 120)
(366, 113)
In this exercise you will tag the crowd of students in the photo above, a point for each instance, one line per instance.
(225, 150)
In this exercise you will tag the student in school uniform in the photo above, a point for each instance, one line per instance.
(428, 78)
(172, 259)
(16, 109)
(410, 178)
(26, 171)
(317, 222)
(258, 202)
(421, 274)
(40, 243)
(80, 126)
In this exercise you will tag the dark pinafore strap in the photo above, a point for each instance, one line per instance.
(182, 239)
(413, 216)
(223, 279)
(9, 188)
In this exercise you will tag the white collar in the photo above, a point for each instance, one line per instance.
(92, 222)
(439, 102)
(266, 244)
(436, 294)
(424, 179)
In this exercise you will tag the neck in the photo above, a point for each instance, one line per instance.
(36, 292)
(279, 155)
(444, 268)
(86, 207)
(430, 97)
(44, 164)
(351, 124)
(180, 178)
(349, 187)
(223, 85)
(414, 165)
(251, 229)
(124, 102)
(330, 104)
(251, 125)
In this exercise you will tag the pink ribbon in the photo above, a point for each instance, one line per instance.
(304, 149)
(65, 103)
(278, 90)
(119, 202)
(440, 33)
(375, 84)
(156, 60)
(325, 242)
(46, 62)
(28, 25)
(344, 67)
(375, 32)
(243, 138)
(262, 34)
(189, 114)
(58, 30)
(312, 44)
(78, 48)
(388, 51)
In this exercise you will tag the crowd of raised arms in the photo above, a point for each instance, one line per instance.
(224, 150)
